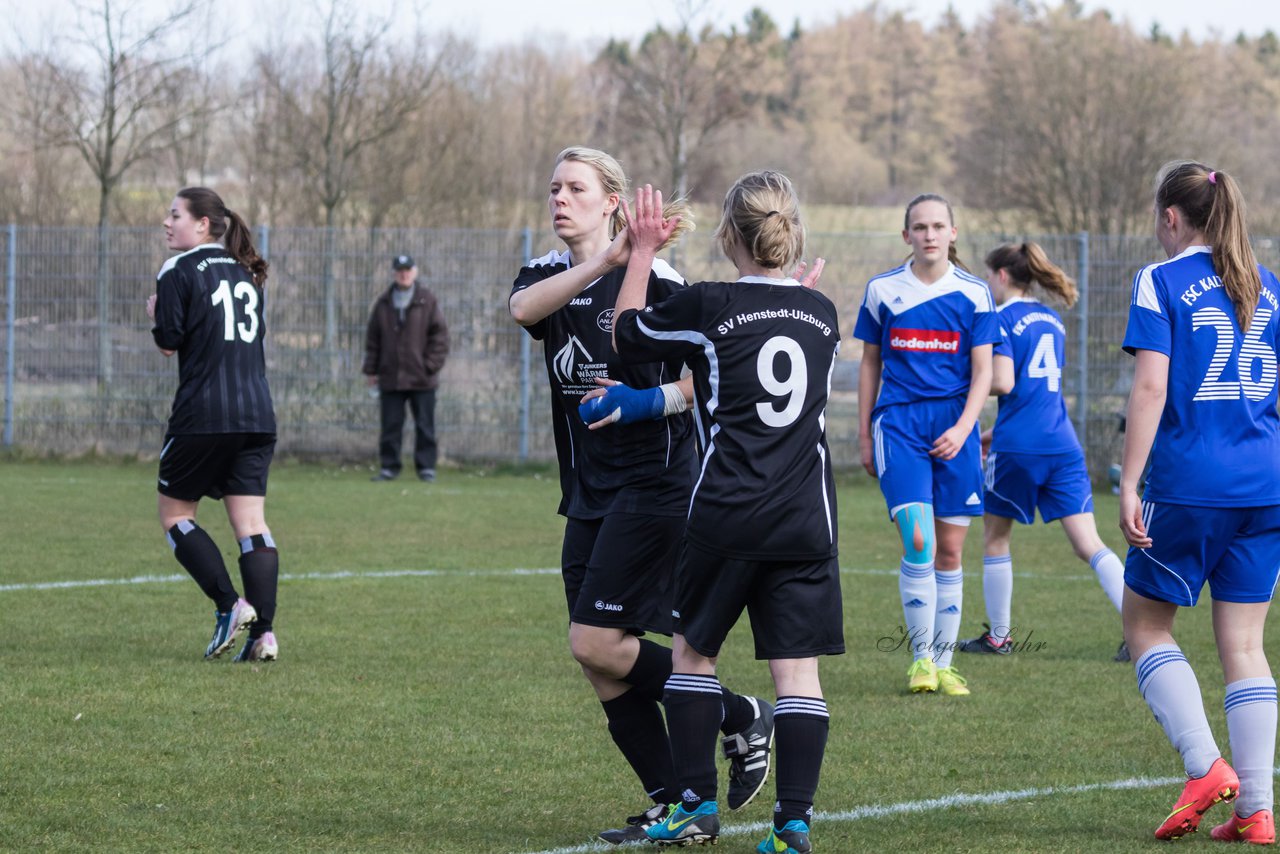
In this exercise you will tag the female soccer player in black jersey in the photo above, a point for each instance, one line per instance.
(625, 488)
(761, 534)
(208, 308)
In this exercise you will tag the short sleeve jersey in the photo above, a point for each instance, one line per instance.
(209, 310)
(646, 467)
(1218, 442)
(1033, 417)
(761, 351)
(926, 332)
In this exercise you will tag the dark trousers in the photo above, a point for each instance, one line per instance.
(423, 404)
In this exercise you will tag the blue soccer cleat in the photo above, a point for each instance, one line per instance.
(262, 648)
(227, 624)
(700, 827)
(792, 839)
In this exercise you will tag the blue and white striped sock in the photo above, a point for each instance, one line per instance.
(919, 594)
(997, 592)
(1251, 725)
(947, 620)
(1168, 684)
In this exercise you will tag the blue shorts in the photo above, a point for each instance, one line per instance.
(1235, 549)
(1019, 483)
(903, 436)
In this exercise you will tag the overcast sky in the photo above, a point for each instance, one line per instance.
(590, 22)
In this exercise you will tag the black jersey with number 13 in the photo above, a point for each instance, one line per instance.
(761, 351)
(209, 310)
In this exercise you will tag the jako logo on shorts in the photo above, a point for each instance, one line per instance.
(925, 340)
(602, 606)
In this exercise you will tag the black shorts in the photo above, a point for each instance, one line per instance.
(795, 606)
(215, 464)
(617, 570)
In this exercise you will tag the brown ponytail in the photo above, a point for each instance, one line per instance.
(1211, 201)
(227, 226)
(1027, 264)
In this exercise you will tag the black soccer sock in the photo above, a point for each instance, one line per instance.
(738, 712)
(260, 572)
(650, 672)
(200, 557)
(800, 732)
(695, 707)
(637, 727)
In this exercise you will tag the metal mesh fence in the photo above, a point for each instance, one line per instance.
(82, 373)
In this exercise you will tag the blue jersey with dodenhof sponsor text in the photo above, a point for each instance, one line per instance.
(1218, 442)
(926, 332)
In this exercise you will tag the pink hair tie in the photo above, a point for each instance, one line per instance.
(1213, 177)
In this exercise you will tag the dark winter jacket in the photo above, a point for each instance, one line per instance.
(406, 357)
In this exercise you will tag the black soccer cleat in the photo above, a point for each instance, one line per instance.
(635, 826)
(749, 753)
(986, 644)
(1122, 654)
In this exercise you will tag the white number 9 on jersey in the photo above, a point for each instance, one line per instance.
(247, 330)
(792, 386)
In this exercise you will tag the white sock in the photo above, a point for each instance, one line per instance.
(997, 591)
(947, 622)
(1110, 571)
(919, 595)
(1251, 725)
(1168, 684)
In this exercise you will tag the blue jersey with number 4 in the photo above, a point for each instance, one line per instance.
(1033, 417)
(1218, 443)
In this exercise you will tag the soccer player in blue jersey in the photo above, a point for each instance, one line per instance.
(1205, 328)
(927, 329)
(208, 308)
(625, 480)
(761, 535)
(1035, 459)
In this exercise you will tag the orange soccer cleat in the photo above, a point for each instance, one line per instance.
(1259, 828)
(1218, 784)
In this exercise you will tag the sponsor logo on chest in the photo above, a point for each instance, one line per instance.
(924, 340)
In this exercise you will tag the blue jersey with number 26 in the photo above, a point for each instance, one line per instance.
(1218, 443)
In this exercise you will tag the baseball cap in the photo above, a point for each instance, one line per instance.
(402, 262)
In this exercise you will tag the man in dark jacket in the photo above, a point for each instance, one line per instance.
(405, 348)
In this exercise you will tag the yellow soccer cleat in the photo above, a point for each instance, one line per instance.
(951, 683)
(922, 676)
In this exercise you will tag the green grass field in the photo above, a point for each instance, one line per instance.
(425, 699)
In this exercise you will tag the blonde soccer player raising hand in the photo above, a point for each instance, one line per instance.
(761, 533)
(627, 466)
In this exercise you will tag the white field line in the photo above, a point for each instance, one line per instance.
(923, 806)
(398, 573)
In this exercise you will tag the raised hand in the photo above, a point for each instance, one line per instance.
(811, 279)
(647, 229)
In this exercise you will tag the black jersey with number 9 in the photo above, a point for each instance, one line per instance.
(209, 310)
(761, 351)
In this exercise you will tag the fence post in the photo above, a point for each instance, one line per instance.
(10, 323)
(1082, 393)
(264, 241)
(526, 356)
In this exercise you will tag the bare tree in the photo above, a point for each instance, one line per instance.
(363, 92)
(679, 87)
(1076, 116)
(115, 110)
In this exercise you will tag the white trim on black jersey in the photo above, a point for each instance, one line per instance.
(171, 262)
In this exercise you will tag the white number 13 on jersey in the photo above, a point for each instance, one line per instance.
(792, 386)
(247, 330)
